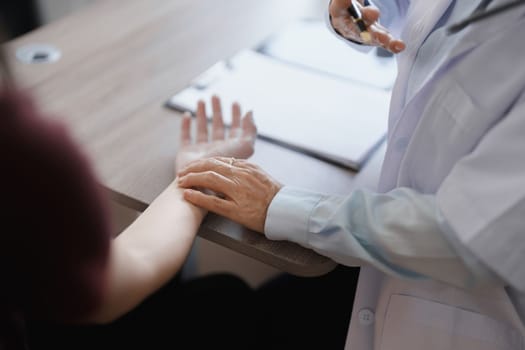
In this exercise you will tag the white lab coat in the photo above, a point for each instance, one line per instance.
(461, 137)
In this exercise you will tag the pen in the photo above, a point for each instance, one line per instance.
(357, 17)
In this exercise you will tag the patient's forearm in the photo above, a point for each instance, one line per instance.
(149, 253)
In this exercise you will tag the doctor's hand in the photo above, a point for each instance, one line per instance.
(237, 142)
(244, 191)
(343, 23)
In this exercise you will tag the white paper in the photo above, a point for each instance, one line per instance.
(310, 44)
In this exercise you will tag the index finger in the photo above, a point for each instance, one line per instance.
(385, 39)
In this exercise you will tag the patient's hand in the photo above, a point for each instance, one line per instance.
(236, 142)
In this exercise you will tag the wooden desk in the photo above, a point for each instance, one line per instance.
(123, 59)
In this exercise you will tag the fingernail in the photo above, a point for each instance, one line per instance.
(188, 192)
(398, 47)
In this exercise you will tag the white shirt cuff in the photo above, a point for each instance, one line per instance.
(288, 215)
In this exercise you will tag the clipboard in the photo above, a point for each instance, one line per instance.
(332, 119)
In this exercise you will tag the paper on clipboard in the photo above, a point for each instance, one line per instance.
(330, 118)
(309, 44)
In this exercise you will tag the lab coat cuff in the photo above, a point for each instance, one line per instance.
(288, 215)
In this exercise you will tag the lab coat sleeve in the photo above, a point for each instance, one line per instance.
(483, 198)
(400, 233)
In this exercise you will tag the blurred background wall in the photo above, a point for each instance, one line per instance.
(51, 10)
(22, 16)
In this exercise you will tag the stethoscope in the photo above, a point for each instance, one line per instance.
(480, 13)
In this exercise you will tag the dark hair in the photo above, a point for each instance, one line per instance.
(5, 73)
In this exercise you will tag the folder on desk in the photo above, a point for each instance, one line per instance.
(324, 116)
